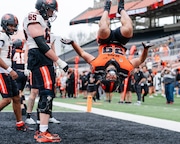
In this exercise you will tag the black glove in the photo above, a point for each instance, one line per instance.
(66, 41)
(147, 45)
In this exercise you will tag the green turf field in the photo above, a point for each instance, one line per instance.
(153, 107)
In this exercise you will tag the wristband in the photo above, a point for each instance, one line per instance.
(9, 69)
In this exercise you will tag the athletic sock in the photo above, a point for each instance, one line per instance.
(43, 128)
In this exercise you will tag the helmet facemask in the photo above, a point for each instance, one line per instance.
(111, 73)
(53, 17)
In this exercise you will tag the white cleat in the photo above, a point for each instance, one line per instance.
(30, 121)
(138, 103)
(53, 120)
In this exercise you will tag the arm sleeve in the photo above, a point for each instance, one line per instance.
(41, 43)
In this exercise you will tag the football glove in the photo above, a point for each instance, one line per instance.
(147, 45)
(66, 41)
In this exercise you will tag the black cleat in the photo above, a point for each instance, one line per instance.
(107, 5)
(120, 6)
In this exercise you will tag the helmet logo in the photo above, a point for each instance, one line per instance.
(49, 1)
(6, 17)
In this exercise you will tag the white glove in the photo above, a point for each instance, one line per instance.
(62, 64)
(26, 71)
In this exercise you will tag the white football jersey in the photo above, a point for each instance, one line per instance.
(4, 48)
(29, 19)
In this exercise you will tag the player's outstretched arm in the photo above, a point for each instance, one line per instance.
(138, 61)
(86, 56)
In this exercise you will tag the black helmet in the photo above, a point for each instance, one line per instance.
(43, 5)
(18, 44)
(9, 19)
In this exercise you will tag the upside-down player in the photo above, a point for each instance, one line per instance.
(111, 62)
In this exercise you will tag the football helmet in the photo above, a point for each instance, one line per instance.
(9, 20)
(44, 5)
(18, 44)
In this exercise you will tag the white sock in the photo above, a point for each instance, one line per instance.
(43, 128)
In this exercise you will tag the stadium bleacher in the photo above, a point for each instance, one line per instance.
(154, 34)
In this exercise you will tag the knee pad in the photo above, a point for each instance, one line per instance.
(45, 102)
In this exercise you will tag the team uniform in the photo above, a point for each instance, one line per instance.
(41, 66)
(114, 54)
(8, 86)
(50, 39)
(42, 69)
(18, 64)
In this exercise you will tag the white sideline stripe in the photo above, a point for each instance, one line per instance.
(155, 122)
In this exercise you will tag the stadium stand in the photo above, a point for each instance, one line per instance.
(137, 9)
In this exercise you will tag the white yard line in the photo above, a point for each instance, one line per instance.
(160, 123)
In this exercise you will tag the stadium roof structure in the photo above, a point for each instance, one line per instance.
(151, 9)
(142, 8)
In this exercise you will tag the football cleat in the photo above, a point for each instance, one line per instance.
(36, 134)
(22, 127)
(120, 6)
(107, 5)
(30, 121)
(46, 137)
(53, 120)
